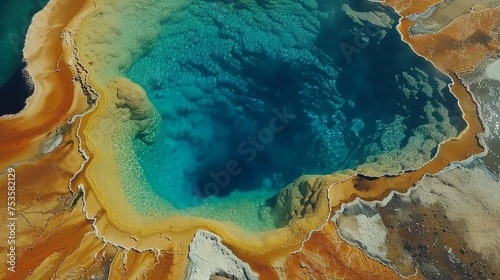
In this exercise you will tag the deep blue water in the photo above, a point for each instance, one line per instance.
(13, 93)
(14, 22)
(254, 94)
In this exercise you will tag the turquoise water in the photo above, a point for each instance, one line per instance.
(14, 22)
(254, 94)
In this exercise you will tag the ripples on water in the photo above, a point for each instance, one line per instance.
(220, 70)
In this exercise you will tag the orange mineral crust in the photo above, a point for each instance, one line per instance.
(461, 45)
(460, 148)
(326, 256)
(57, 97)
(50, 224)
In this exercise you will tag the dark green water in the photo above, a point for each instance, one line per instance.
(14, 22)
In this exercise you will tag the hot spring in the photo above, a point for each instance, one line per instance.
(254, 94)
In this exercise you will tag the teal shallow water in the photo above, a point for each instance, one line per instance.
(255, 94)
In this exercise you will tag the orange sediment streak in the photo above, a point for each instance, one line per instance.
(48, 228)
(461, 45)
